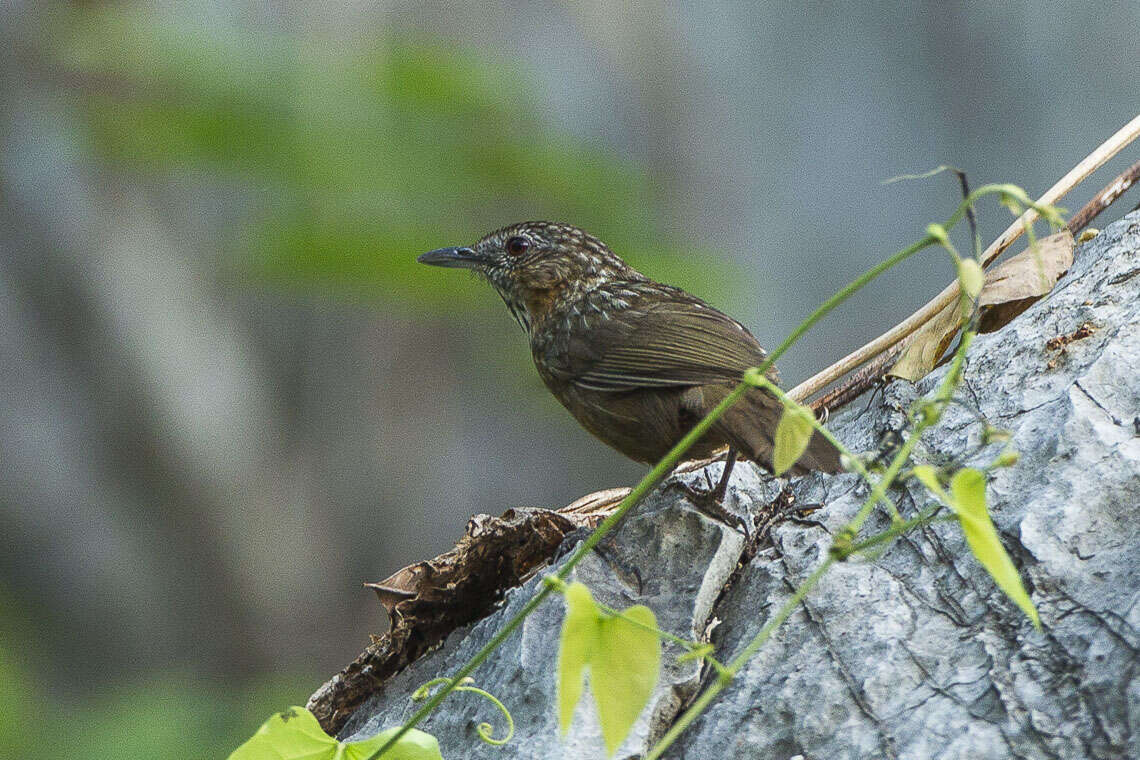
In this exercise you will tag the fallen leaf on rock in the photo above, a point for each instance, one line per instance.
(1010, 288)
(1015, 284)
(928, 344)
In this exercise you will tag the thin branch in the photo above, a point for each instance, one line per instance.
(1105, 198)
(863, 379)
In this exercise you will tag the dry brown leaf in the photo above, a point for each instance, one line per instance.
(928, 344)
(1019, 281)
(1009, 290)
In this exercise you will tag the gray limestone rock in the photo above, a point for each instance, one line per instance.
(915, 653)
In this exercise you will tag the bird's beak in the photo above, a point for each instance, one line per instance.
(460, 258)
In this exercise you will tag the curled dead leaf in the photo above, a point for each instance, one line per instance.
(1010, 289)
(928, 344)
(426, 601)
(1016, 283)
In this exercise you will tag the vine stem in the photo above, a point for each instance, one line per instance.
(855, 462)
(873, 372)
(941, 397)
(1106, 150)
(485, 730)
(738, 662)
(690, 647)
(896, 530)
(670, 460)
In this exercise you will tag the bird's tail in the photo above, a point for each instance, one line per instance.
(750, 426)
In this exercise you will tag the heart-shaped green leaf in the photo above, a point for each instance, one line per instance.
(295, 735)
(623, 671)
(290, 735)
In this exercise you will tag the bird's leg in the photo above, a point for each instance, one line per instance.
(722, 487)
(710, 502)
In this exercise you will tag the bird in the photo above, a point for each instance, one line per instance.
(637, 362)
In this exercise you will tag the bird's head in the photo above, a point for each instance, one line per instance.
(536, 265)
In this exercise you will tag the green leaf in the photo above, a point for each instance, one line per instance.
(295, 735)
(579, 640)
(938, 232)
(968, 498)
(623, 671)
(341, 145)
(414, 745)
(928, 344)
(623, 654)
(928, 476)
(1007, 458)
(793, 435)
(292, 734)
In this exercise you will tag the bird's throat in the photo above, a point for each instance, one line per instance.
(539, 303)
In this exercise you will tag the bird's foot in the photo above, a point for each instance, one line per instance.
(710, 502)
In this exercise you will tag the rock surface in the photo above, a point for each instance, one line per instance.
(914, 654)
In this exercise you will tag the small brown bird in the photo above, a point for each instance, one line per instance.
(636, 362)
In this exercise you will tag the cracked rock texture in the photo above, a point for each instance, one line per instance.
(914, 654)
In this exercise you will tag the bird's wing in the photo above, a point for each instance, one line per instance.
(666, 339)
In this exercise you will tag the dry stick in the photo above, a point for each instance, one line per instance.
(1104, 198)
(863, 379)
(867, 376)
(1109, 148)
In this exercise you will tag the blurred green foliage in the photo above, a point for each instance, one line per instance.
(15, 683)
(167, 715)
(357, 158)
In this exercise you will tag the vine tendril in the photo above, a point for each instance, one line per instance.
(485, 730)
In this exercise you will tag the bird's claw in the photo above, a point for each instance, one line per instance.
(708, 502)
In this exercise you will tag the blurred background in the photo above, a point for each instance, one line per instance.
(229, 395)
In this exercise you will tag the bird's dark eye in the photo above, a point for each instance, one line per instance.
(517, 246)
